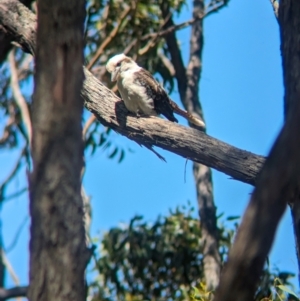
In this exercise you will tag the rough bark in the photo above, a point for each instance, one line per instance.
(188, 85)
(109, 109)
(58, 253)
(5, 39)
(279, 180)
(289, 21)
(17, 16)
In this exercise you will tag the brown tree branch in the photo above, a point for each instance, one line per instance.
(186, 142)
(110, 111)
(13, 16)
(6, 40)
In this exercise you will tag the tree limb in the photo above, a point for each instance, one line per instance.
(278, 183)
(14, 16)
(18, 291)
(6, 40)
(110, 111)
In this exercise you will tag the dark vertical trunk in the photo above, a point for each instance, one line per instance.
(289, 21)
(278, 182)
(188, 85)
(58, 253)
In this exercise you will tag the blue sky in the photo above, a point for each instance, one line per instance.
(242, 97)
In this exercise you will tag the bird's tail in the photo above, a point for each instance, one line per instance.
(191, 118)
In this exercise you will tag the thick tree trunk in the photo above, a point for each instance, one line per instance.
(278, 182)
(289, 21)
(58, 253)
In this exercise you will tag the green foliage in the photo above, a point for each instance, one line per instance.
(162, 260)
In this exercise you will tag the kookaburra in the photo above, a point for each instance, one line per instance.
(141, 93)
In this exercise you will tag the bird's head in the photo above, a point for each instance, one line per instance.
(119, 63)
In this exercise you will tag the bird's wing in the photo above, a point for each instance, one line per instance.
(154, 90)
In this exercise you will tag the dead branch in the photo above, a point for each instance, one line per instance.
(20, 100)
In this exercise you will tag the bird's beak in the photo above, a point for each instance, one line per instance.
(114, 75)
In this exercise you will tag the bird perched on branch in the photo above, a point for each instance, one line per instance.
(141, 93)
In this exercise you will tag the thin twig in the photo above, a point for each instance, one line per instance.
(172, 28)
(17, 235)
(210, 9)
(10, 269)
(168, 64)
(12, 173)
(153, 40)
(88, 124)
(109, 38)
(20, 100)
(129, 47)
(10, 122)
(15, 195)
(24, 68)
